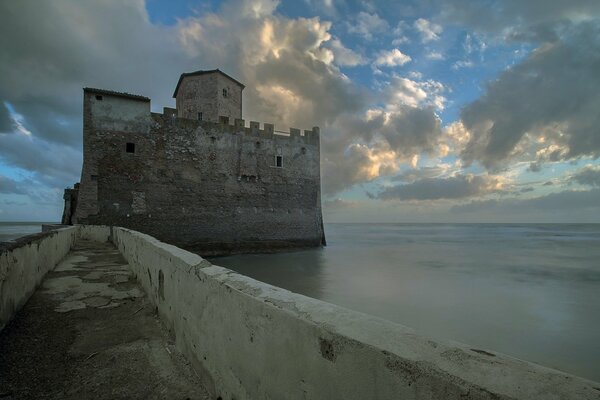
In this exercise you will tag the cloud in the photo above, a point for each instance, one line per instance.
(462, 64)
(561, 201)
(455, 187)
(413, 175)
(404, 91)
(588, 175)
(344, 56)
(6, 122)
(376, 144)
(359, 163)
(428, 30)
(338, 203)
(391, 58)
(10, 186)
(544, 108)
(51, 164)
(367, 24)
(497, 16)
(434, 55)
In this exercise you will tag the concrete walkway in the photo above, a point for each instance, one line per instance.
(89, 333)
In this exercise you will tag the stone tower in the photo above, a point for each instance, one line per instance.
(209, 96)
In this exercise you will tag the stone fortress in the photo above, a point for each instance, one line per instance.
(196, 176)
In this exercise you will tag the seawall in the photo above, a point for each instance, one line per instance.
(250, 340)
(23, 264)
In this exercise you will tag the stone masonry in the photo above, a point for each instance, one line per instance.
(196, 176)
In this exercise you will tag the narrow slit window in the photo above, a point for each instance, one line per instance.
(199, 116)
(225, 93)
(279, 161)
(130, 147)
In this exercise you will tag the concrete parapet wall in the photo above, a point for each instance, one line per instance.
(23, 264)
(250, 340)
(97, 233)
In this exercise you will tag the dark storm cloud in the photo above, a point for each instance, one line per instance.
(413, 175)
(51, 50)
(498, 15)
(456, 187)
(52, 164)
(561, 201)
(6, 123)
(553, 94)
(589, 175)
(10, 186)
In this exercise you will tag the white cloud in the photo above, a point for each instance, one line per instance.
(391, 58)
(367, 24)
(344, 56)
(462, 64)
(435, 55)
(415, 93)
(428, 30)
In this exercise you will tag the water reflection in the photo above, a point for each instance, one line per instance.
(530, 291)
(300, 272)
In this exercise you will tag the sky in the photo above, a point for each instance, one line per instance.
(430, 110)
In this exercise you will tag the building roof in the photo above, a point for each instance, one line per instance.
(203, 72)
(118, 94)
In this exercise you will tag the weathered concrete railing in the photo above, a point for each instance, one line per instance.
(250, 340)
(256, 341)
(23, 264)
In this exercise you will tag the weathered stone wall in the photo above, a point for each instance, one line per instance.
(250, 340)
(208, 187)
(23, 264)
(230, 101)
(107, 113)
(204, 94)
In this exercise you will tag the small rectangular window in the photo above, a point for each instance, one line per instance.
(130, 147)
(224, 120)
(225, 93)
(94, 177)
(98, 97)
(279, 161)
(199, 116)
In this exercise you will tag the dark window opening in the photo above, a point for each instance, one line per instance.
(200, 116)
(304, 150)
(98, 97)
(224, 120)
(257, 145)
(94, 177)
(130, 147)
(279, 161)
(225, 93)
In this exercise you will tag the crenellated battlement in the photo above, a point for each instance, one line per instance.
(309, 136)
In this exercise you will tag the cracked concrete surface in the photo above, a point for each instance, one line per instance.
(89, 332)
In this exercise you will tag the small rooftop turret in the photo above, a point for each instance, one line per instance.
(208, 95)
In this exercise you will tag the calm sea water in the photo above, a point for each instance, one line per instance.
(13, 230)
(531, 291)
